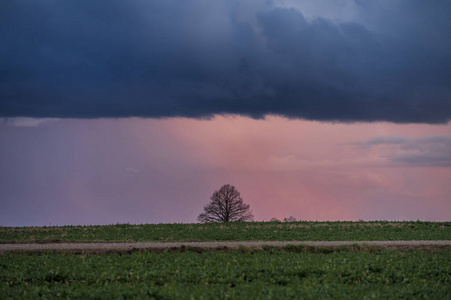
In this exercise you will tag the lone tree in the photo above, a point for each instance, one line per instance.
(226, 206)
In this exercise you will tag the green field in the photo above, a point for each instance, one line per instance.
(289, 272)
(228, 275)
(240, 231)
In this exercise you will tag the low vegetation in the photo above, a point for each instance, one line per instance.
(234, 231)
(269, 274)
(289, 272)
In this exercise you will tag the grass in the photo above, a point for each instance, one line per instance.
(240, 231)
(270, 274)
(288, 272)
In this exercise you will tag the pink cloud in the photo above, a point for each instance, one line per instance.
(311, 169)
(164, 170)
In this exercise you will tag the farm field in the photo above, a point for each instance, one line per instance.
(271, 274)
(239, 231)
(265, 272)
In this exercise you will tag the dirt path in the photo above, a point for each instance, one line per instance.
(152, 246)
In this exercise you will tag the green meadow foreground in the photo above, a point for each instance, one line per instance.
(239, 231)
(290, 272)
(271, 274)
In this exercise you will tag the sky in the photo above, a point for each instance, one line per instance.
(137, 111)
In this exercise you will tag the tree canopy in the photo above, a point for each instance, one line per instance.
(226, 205)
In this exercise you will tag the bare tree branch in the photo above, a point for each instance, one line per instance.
(226, 206)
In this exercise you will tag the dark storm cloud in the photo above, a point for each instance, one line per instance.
(194, 58)
(433, 151)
